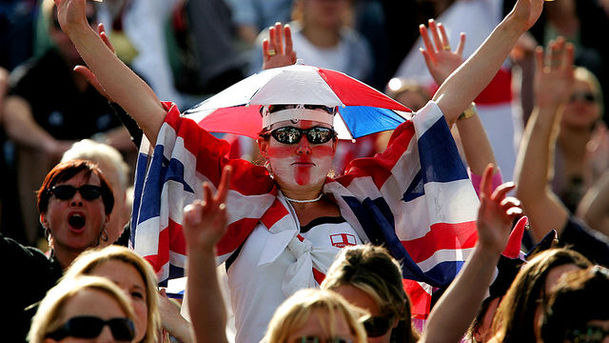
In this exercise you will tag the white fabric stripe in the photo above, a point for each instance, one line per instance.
(444, 256)
(147, 237)
(177, 259)
(297, 113)
(426, 117)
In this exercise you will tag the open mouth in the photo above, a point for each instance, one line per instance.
(76, 221)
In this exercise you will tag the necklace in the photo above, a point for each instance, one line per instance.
(304, 201)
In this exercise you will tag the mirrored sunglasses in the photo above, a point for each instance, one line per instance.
(66, 192)
(292, 135)
(377, 326)
(588, 97)
(91, 327)
(313, 339)
(590, 334)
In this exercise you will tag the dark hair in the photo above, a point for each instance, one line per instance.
(373, 270)
(580, 297)
(67, 170)
(514, 320)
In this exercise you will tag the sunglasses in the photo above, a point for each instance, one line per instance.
(583, 96)
(377, 326)
(66, 192)
(292, 135)
(313, 339)
(91, 327)
(591, 334)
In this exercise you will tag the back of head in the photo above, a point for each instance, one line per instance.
(86, 263)
(580, 297)
(515, 317)
(50, 309)
(372, 270)
(294, 312)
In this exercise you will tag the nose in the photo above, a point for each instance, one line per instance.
(105, 336)
(304, 147)
(77, 200)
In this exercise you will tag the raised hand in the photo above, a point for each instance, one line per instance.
(526, 12)
(277, 50)
(88, 74)
(440, 59)
(554, 74)
(71, 14)
(205, 220)
(496, 213)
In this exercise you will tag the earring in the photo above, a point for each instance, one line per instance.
(104, 235)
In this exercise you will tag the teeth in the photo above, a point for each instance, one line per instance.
(77, 221)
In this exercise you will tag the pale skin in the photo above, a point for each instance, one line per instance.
(554, 79)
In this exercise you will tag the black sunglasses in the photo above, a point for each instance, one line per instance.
(66, 192)
(292, 135)
(584, 96)
(313, 339)
(377, 326)
(91, 327)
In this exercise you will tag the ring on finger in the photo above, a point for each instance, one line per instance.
(447, 47)
(271, 52)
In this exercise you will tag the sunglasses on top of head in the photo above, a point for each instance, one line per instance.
(91, 327)
(66, 192)
(292, 135)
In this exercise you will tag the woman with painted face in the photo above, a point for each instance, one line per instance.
(289, 220)
(75, 202)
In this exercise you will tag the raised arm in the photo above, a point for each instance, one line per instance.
(457, 92)
(441, 61)
(120, 83)
(204, 224)
(458, 306)
(553, 84)
(277, 50)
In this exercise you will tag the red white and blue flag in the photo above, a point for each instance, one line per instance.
(415, 198)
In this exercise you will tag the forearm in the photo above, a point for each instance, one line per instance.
(21, 127)
(205, 302)
(458, 306)
(476, 146)
(120, 82)
(463, 85)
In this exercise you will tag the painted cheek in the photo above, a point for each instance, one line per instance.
(281, 151)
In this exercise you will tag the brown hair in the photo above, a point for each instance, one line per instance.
(67, 170)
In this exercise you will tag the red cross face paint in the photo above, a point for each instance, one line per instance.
(303, 163)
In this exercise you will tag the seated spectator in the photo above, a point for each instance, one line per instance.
(116, 171)
(576, 311)
(81, 308)
(75, 202)
(48, 108)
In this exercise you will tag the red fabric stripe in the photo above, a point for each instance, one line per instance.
(162, 257)
(235, 235)
(177, 243)
(420, 300)
(318, 276)
(356, 93)
(442, 236)
(274, 214)
(379, 167)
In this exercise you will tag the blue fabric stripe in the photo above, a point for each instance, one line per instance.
(445, 272)
(364, 120)
(440, 161)
(415, 189)
(138, 186)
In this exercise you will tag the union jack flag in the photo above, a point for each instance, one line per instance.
(415, 198)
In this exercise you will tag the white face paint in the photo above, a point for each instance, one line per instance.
(302, 164)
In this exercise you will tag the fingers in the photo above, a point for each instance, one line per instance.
(539, 65)
(193, 213)
(486, 187)
(435, 35)
(278, 38)
(426, 41)
(461, 45)
(265, 49)
(287, 33)
(224, 185)
(502, 190)
(101, 30)
(444, 37)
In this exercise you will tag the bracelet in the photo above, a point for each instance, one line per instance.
(469, 112)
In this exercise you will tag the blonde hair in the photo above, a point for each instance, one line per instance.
(50, 310)
(86, 262)
(293, 313)
(584, 74)
(372, 270)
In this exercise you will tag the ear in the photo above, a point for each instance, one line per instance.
(263, 146)
(43, 221)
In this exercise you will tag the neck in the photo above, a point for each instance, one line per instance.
(65, 256)
(573, 141)
(321, 37)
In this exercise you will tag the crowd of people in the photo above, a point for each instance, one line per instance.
(481, 216)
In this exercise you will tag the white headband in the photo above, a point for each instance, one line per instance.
(298, 113)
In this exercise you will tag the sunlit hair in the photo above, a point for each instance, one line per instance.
(515, 316)
(580, 297)
(65, 171)
(583, 74)
(86, 263)
(49, 316)
(397, 86)
(294, 312)
(372, 270)
(103, 155)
